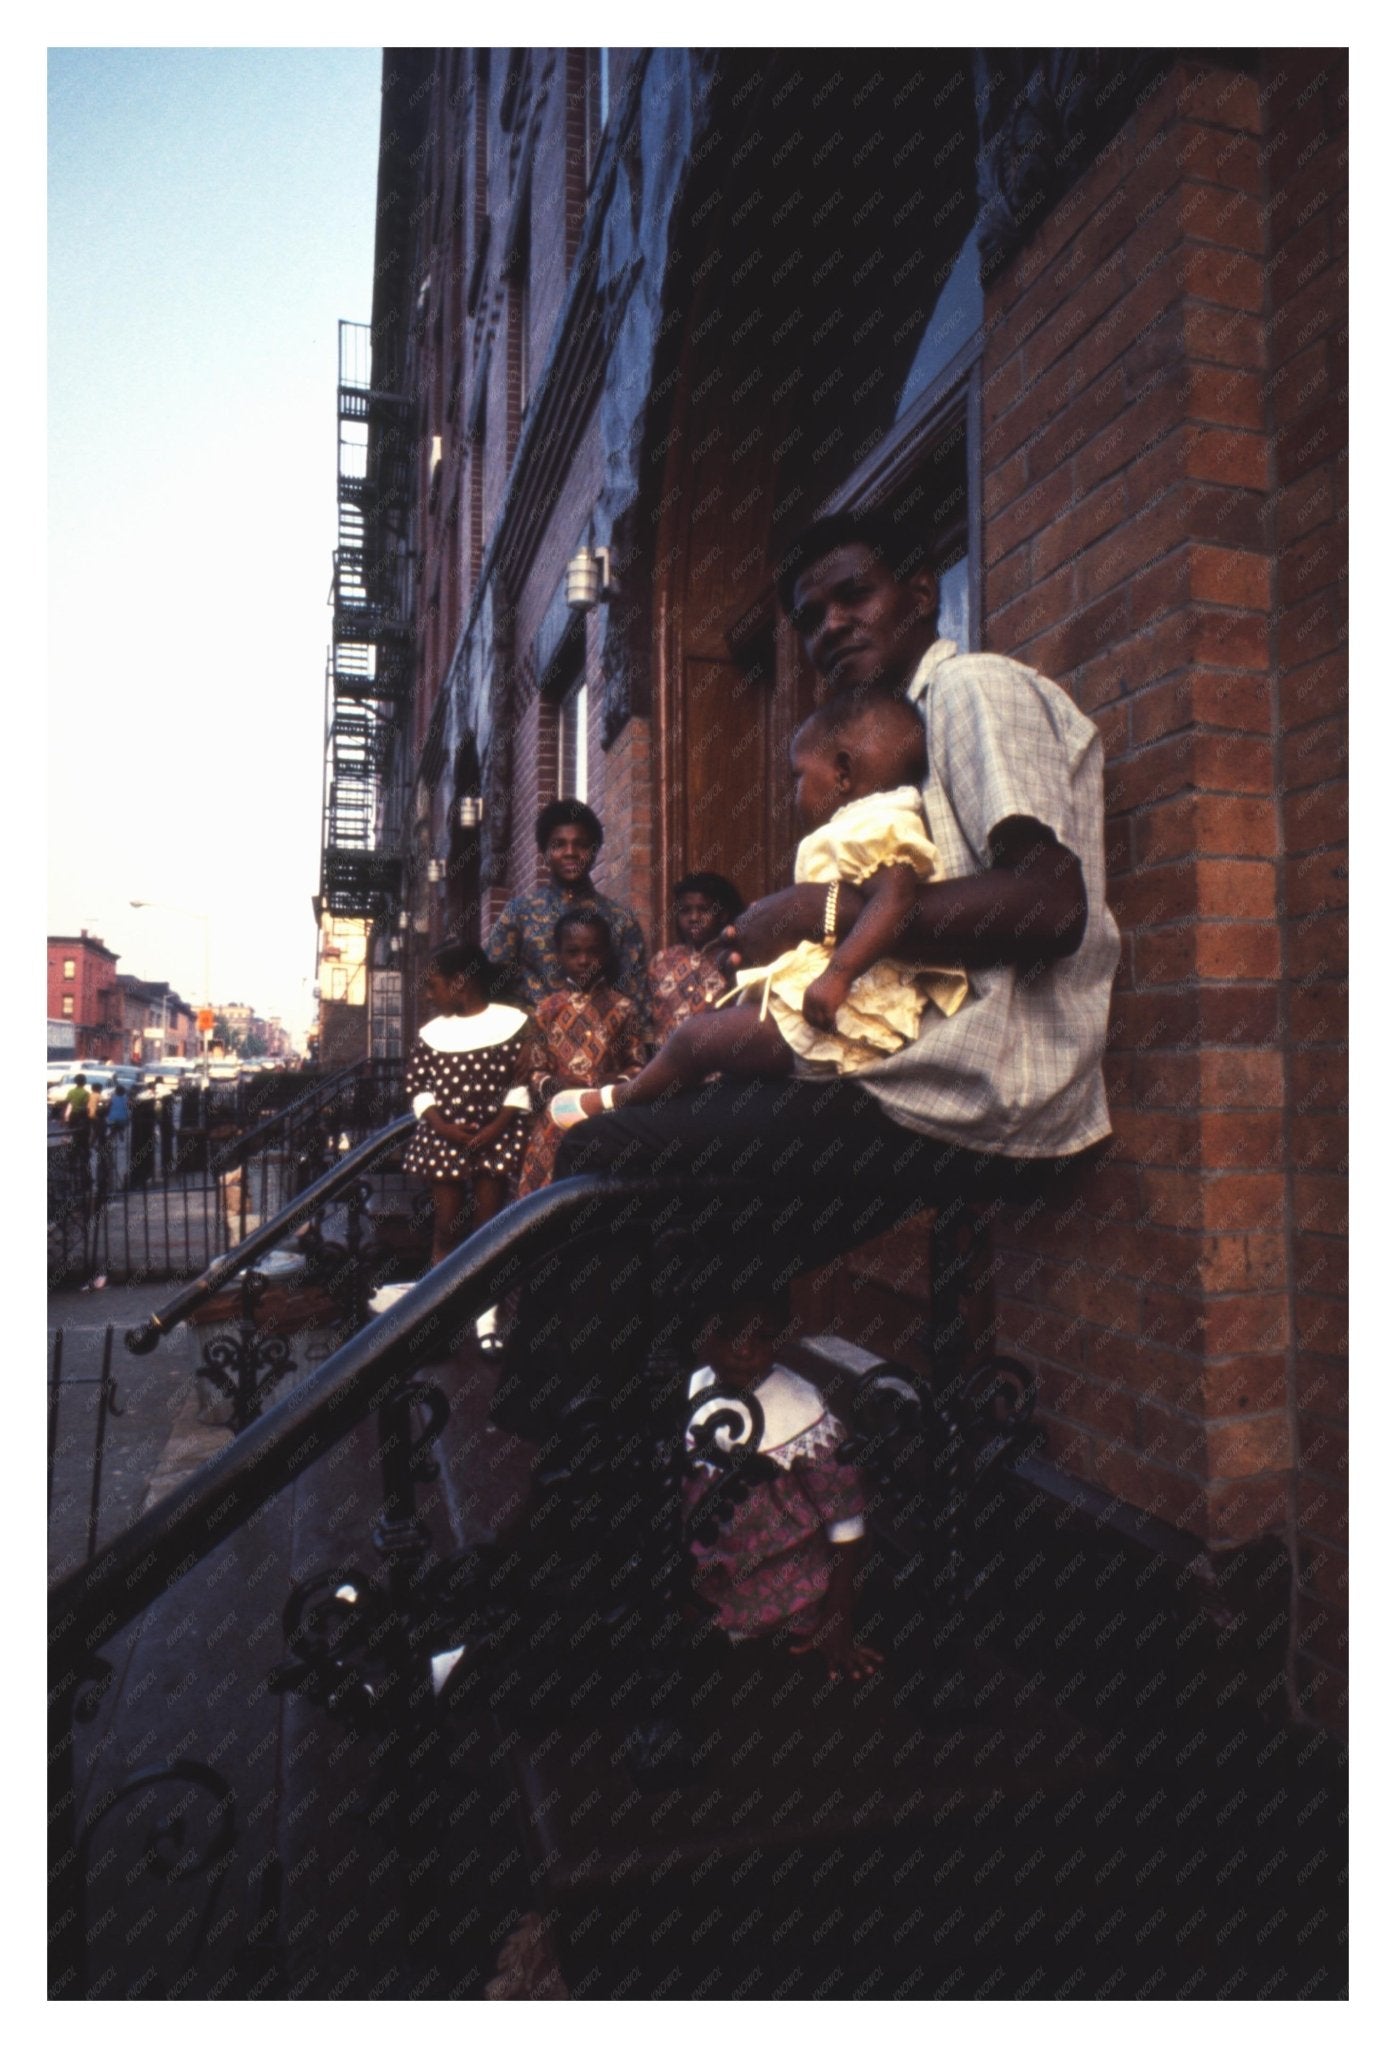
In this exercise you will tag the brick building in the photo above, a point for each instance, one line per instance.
(158, 1023)
(1081, 316)
(82, 989)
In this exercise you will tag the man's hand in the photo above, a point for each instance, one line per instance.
(825, 997)
(773, 924)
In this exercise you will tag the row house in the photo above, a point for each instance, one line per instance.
(1079, 317)
(158, 1024)
(83, 992)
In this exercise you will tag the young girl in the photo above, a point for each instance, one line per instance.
(686, 977)
(462, 1083)
(826, 1009)
(584, 1034)
(788, 1556)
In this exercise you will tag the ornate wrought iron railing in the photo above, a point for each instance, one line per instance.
(541, 1620)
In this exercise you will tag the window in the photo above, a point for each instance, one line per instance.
(67, 1006)
(70, 970)
(572, 743)
(957, 321)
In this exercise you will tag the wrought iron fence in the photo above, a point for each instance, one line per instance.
(193, 1174)
(74, 1459)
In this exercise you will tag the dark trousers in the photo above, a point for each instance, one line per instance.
(765, 1180)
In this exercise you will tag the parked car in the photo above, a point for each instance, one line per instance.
(174, 1073)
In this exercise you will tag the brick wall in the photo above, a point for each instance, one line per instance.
(1136, 548)
(1304, 139)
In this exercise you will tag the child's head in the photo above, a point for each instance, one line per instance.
(569, 838)
(458, 978)
(703, 903)
(739, 1342)
(855, 744)
(584, 950)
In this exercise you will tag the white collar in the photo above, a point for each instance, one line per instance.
(919, 687)
(490, 1026)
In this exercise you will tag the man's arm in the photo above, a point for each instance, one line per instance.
(1027, 910)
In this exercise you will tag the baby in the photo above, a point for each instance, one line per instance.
(824, 1009)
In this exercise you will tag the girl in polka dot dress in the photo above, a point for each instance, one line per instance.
(461, 1084)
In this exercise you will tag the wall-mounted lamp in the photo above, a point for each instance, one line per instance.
(402, 920)
(436, 870)
(470, 813)
(589, 578)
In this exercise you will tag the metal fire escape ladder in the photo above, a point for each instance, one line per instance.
(368, 686)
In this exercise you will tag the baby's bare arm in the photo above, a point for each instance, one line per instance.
(889, 903)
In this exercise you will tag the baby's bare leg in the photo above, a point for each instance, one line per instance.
(733, 1042)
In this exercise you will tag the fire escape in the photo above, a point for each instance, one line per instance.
(368, 680)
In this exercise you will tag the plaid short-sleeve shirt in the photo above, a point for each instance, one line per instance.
(1017, 1069)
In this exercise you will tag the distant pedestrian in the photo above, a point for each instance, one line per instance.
(119, 1127)
(97, 1108)
(76, 1114)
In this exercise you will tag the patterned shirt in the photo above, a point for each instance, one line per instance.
(680, 982)
(522, 945)
(577, 1038)
(1017, 1069)
(771, 1565)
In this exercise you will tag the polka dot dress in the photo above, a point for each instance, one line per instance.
(467, 1067)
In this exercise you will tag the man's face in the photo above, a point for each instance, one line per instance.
(698, 918)
(569, 854)
(858, 624)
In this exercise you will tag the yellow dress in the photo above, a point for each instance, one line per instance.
(885, 1006)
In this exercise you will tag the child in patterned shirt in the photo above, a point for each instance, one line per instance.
(583, 1035)
(788, 1557)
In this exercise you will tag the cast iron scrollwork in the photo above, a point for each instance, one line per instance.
(190, 1833)
(246, 1366)
(336, 1626)
(722, 1429)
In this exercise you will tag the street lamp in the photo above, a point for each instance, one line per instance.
(145, 903)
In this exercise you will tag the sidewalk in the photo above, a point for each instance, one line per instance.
(150, 1392)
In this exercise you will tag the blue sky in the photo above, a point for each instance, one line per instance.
(211, 217)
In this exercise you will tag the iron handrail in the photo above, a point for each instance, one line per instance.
(262, 1135)
(93, 1602)
(145, 1336)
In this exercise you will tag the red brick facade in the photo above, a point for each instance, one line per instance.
(1164, 443)
(1152, 512)
(90, 990)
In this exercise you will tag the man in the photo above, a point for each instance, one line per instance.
(988, 1101)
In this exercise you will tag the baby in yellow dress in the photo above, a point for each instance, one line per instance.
(826, 1009)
